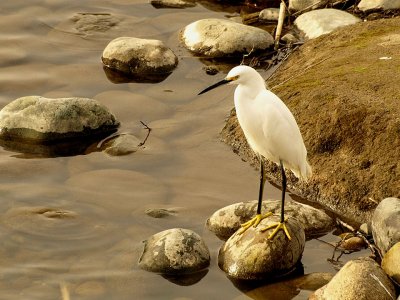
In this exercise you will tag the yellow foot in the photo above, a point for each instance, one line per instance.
(253, 222)
(277, 226)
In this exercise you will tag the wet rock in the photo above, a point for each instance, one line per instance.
(160, 212)
(306, 5)
(172, 3)
(269, 14)
(131, 55)
(94, 22)
(358, 279)
(218, 38)
(391, 262)
(175, 251)
(385, 224)
(225, 221)
(365, 5)
(122, 145)
(252, 256)
(322, 21)
(39, 119)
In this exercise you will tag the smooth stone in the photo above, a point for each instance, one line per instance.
(322, 21)
(42, 119)
(219, 37)
(175, 251)
(123, 144)
(269, 14)
(225, 221)
(391, 263)
(172, 3)
(365, 5)
(358, 279)
(252, 256)
(306, 5)
(94, 22)
(133, 55)
(385, 224)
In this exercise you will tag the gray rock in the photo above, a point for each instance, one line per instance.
(252, 256)
(175, 251)
(358, 279)
(391, 263)
(322, 21)
(366, 5)
(225, 221)
(269, 14)
(133, 55)
(306, 5)
(172, 3)
(94, 22)
(385, 224)
(219, 37)
(122, 145)
(42, 119)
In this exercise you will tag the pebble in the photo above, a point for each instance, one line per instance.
(252, 256)
(175, 251)
(322, 21)
(225, 221)
(219, 37)
(385, 224)
(358, 279)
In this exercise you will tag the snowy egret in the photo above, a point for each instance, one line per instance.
(271, 131)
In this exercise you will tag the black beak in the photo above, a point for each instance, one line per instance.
(222, 82)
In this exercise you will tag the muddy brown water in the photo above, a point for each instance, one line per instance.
(72, 227)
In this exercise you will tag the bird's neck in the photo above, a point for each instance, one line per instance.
(250, 90)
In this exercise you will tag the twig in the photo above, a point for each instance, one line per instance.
(281, 19)
(382, 285)
(148, 133)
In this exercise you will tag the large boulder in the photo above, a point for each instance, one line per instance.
(358, 279)
(225, 221)
(252, 256)
(385, 224)
(322, 21)
(221, 38)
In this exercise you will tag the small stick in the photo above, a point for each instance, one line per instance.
(148, 133)
(281, 19)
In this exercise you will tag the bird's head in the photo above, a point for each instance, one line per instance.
(238, 75)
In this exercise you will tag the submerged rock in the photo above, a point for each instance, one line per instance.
(94, 22)
(219, 38)
(175, 251)
(365, 5)
(131, 55)
(252, 256)
(160, 212)
(391, 263)
(122, 145)
(38, 119)
(358, 279)
(172, 3)
(323, 21)
(385, 224)
(225, 221)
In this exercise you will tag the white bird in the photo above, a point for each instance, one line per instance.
(271, 131)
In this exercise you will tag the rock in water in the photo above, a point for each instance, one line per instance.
(175, 251)
(358, 279)
(122, 145)
(131, 55)
(251, 256)
(39, 119)
(385, 224)
(225, 221)
(219, 38)
(391, 263)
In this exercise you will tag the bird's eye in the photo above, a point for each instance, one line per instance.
(233, 78)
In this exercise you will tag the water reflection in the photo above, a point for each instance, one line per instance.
(119, 77)
(186, 279)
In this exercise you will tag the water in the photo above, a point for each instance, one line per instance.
(74, 226)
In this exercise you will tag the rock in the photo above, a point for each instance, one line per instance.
(122, 145)
(219, 38)
(172, 3)
(160, 212)
(385, 224)
(322, 21)
(39, 119)
(358, 279)
(175, 251)
(365, 5)
(391, 263)
(131, 55)
(290, 38)
(251, 256)
(365, 228)
(306, 5)
(269, 14)
(225, 221)
(94, 22)
(352, 243)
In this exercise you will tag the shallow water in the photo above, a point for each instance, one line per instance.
(74, 226)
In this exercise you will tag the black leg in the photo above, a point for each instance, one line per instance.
(283, 192)
(262, 182)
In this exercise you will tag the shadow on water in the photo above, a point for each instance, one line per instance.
(186, 279)
(119, 77)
